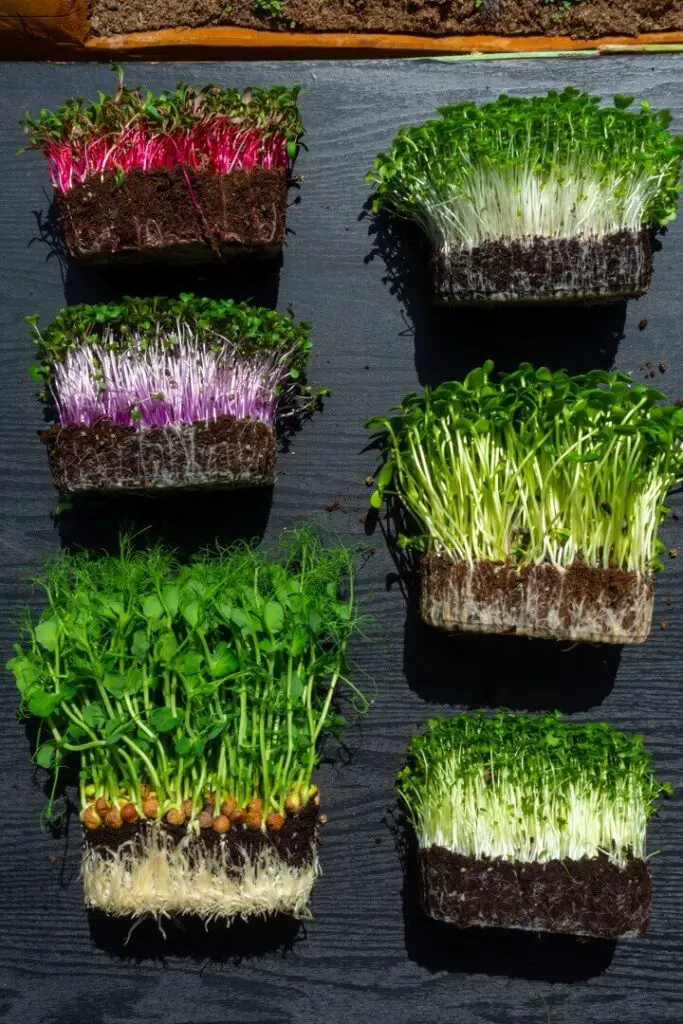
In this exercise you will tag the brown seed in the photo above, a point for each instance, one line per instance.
(91, 818)
(664, 624)
(275, 821)
(175, 816)
(253, 820)
(150, 806)
(642, 325)
(663, 367)
(112, 818)
(228, 806)
(221, 823)
(255, 804)
(293, 802)
(129, 812)
(101, 806)
(187, 808)
(206, 819)
(238, 816)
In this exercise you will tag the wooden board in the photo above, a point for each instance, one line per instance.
(368, 954)
(58, 29)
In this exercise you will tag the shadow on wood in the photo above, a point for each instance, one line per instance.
(439, 947)
(506, 671)
(191, 938)
(185, 520)
(450, 341)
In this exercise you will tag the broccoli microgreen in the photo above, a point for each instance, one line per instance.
(529, 788)
(537, 467)
(551, 166)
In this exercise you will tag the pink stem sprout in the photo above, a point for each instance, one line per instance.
(216, 146)
(163, 387)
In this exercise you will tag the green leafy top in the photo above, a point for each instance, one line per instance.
(536, 467)
(555, 165)
(529, 787)
(140, 322)
(217, 675)
(271, 111)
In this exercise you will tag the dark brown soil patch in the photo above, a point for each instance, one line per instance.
(107, 458)
(591, 897)
(577, 603)
(614, 266)
(584, 18)
(295, 842)
(176, 215)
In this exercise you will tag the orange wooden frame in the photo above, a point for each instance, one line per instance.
(58, 29)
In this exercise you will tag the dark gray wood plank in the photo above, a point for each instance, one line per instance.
(366, 955)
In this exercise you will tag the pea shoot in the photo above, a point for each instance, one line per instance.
(191, 697)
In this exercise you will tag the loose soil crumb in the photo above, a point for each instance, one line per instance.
(108, 458)
(178, 214)
(581, 603)
(615, 266)
(591, 897)
(584, 19)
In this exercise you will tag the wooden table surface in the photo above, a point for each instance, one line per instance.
(367, 956)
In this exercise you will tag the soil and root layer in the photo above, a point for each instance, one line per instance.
(224, 453)
(578, 603)
(156, 870)
(526, 270)
(590, 897)
(175, 215)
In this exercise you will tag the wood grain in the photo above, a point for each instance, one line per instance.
(367, 955)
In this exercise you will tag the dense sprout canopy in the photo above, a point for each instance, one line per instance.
(529, 787)
(215, 676)
(559, 165)
(534, 467)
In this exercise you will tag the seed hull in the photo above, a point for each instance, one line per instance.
(590, 897)
(224, 453)
(542, 270)
(578, 603)
(179, 215)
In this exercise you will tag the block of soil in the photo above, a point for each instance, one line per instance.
(540, 199)
(178, 215)
(584, 19)
(529, 822)
(190, 175)
(591, 897)
(223, 453)
(529, 270)
(579, 602)
(152, 869)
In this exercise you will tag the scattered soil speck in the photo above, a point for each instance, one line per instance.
(369, 481)
(673, 552)
(642, 325)
(333, 506)
(664, 624)
(663, 367)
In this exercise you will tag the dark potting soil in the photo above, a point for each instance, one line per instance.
(175, 215)
(220, 453)
(295, 842)
(582, 18)
(580, 602)
(613, 266)
(591, 896)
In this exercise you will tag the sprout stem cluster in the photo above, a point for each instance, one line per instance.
(535, 468)
(176, 688)
(529, 788)
(555, 166)
(212, 129)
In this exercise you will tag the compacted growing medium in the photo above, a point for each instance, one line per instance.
(547, 199)
(582, 18)
(187, 175)
(164, 394)
(537, 498)
(528, 822)
(192, 699)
